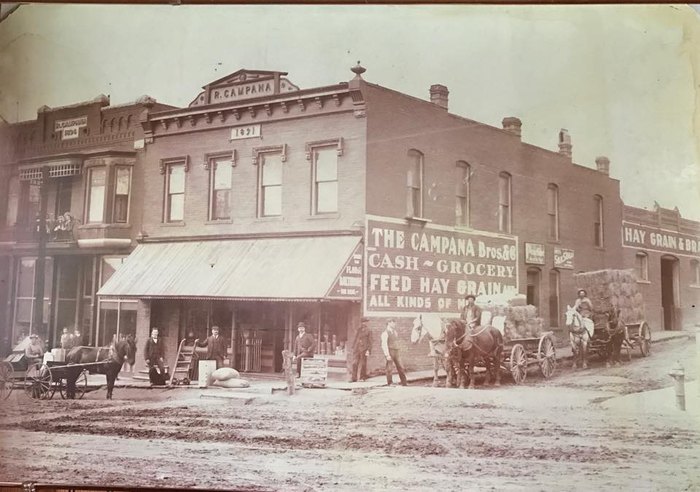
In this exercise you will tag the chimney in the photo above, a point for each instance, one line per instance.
(565, 143)
(438, 95)
(512, 125)
(602, 164)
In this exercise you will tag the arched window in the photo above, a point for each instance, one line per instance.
(553, 211)
(695, 272)
(554, 299)
(121, 123)
(504, 202)
(598, 225)
(414, 184)
(641, 266)
(462, 214)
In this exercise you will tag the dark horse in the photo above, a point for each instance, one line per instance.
(466, 348)
(617, 333)
(112, 358)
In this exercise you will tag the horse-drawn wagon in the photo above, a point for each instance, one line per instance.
(40, 380)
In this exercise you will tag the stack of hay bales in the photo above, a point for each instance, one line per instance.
(612, 288)
(521, 319)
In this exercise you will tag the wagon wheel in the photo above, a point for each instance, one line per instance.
(37, 382)
(644, 339)
(518, 363)
(547, 357)
(5, 380)
(80, 386)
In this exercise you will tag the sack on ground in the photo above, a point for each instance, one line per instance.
(224, 374)
(232, 383)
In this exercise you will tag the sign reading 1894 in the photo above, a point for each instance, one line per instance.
(247, 131)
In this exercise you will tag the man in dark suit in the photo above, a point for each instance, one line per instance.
(303, 346)
(154, 355)
(216, 347)
(361, 351)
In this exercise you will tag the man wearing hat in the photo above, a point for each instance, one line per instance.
(34, 351)
(471, 314)
(360, 349)
(583, 304)
(303, 346)
(216, 347)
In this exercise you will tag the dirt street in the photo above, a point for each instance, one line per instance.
(543, 435)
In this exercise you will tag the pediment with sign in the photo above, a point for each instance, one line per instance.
(244, 84)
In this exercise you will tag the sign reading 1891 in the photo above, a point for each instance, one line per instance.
(417, 268)
(247, 131)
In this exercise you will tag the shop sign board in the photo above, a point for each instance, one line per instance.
(564, 258)
(70, 128)
(534, 254)
(660, 240)
(314, 372)
(348, 284)
(412, 268)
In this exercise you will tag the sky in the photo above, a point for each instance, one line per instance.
(623, 80)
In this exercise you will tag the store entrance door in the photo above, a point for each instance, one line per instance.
(669, 293)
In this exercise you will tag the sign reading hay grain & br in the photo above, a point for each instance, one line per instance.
(314, 372)
(412, 267)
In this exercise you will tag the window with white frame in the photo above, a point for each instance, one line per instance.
(13, 192)
(414, 183)
(97, 183)
(695, 272)
(504, 202)
(220, 180)
(122, 192)
(325, 180)
(598, 221)
(553, 211)
(641, 266)
(270, 185)
(175, 192)
(462, 217)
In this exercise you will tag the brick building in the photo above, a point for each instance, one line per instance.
(262, 205)
(82, 163)
(664, 250)
(272, 205)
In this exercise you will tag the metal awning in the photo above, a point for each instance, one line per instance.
(282, 269)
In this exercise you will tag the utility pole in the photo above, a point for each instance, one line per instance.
(40, 264)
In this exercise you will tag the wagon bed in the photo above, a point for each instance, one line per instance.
(519, 353)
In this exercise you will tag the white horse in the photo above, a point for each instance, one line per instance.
(580, 333)
(432, 325)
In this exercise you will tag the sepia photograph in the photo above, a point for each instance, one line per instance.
(349, 247)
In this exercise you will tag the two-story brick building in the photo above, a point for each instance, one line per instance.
(268, 205)
(72, 175)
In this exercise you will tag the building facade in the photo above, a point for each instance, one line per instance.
(262, 205)
(73, 190)
(664, 250)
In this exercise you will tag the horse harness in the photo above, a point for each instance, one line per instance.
(466, 332)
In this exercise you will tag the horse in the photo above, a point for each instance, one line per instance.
(580, 333)
(112, 358)
(468, 347)
(617, 333)
(432, 326)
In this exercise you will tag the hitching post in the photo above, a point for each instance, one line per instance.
(289, 372)
(678, 375)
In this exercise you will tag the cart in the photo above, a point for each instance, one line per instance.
(520, 353)
(41, 380)
(637, 335)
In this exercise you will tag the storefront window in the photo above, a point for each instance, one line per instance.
(24, 301)
(117, 319)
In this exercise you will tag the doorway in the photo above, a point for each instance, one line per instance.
(670, 292)
(533, 287)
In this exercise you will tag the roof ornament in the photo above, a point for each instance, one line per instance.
(358, 70)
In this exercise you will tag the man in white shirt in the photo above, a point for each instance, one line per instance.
(390, 346)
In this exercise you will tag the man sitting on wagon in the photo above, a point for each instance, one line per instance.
(34, 351)
(583, 304)
(471, 314)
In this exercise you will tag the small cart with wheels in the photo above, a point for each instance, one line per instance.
(520, 353)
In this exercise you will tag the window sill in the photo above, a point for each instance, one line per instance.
(645, 282)
(218, 222)
(334, 215)
(116, 225)
(421, 220)
(173, 224)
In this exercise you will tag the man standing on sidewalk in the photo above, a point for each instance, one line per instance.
(303, 346)
(390, 346)
(216, 347)
(360, 351)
